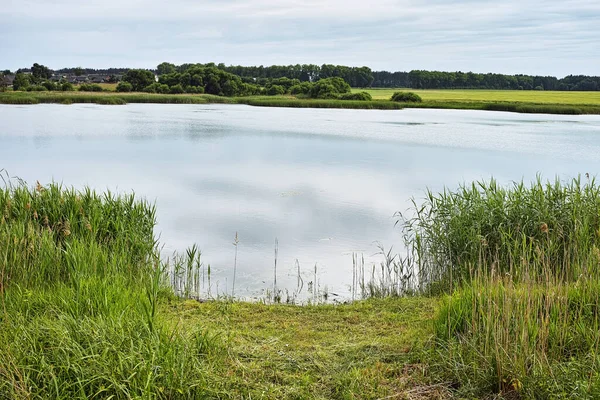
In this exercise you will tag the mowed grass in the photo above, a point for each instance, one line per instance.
(365, 350)
(474, 95)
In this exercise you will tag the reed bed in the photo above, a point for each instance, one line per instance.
(80, 283)
(115, 98)
(505, 230)
(519, 269)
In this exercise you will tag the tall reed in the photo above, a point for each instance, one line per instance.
(520, 269)
(80, 285)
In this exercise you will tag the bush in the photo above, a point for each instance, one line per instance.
(177, 89)
(67, 87)
(406, 97)
(363, 96)
(36, 88)
(275, 90)
(329, 88)
(156, 88)
(193, 89)
(303, 88)
(87, 87)
(49, 85)
(124, 87)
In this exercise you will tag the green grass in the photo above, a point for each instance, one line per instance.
(365, 350)
(519, 265)
(519, 230)
(511, 96)
(573, 103)
(512, 306)
(84, 313)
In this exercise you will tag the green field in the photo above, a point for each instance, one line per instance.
(524, 96)
(573, 103)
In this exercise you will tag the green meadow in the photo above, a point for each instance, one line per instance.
(477, 95)
(573, 103)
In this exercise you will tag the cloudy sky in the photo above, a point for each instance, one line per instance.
(546, 37)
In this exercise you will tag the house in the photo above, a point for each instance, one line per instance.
(78, 79)
(7, 80)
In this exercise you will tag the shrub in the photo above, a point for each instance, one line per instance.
(406, 97)
(303, 88)
(364, 96)
(177, 89)
(193, 89)
(36, 88)
(49, 85)
(275, 90)
(67, 87)
(87, 87)
(124, 87)
(156, 88)
(329, 88)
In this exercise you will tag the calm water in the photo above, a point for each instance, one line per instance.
(324, 183)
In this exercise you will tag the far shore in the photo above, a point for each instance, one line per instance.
(570, 103)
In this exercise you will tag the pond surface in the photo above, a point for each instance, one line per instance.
(324, 183)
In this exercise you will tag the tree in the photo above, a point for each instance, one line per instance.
(6, 72)
(329, 88)
(40, 72)
(21, 82)
(165, 68)
(139, 79)
(78, 71)
(275, 90)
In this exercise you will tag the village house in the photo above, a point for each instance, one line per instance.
(7, 80)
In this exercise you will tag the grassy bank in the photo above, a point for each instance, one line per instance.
(519, 267)
(85, 312)
(573, 103)
(506, 305)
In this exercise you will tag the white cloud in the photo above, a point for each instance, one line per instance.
(531, 36)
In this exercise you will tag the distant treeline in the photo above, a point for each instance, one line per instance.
(470, 80)
(355, 76)
(92, 71)
(365, 77)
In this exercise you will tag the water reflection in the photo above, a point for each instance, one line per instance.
(325, 183)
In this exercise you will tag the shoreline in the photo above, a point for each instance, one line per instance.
(115, 98)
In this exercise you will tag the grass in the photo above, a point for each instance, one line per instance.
(476, 95)
(504, 303)
(519, 230)
(362, 350)
(572, 103)
(519, 266)
(86, 312)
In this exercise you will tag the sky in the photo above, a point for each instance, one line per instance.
(539, 37)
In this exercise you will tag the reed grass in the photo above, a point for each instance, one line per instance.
(508, 230)
(80, 282)
(519, 266)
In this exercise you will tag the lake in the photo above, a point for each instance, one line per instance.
(324, 183)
